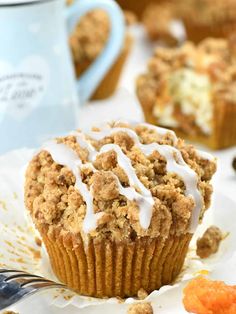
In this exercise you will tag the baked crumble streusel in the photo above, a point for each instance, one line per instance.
(140, 308)
(88, 41)
(120, 190)
(209, 243)
(158, 19)
(192, 90)
(206, 18)
(89, 37)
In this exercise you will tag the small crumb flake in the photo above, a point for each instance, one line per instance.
(3, 205)
(36, 253)
(10, 312)
(68, 297)
(142, 294)
(209, 243)
(140, 308)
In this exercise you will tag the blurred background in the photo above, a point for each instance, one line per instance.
(65, 65)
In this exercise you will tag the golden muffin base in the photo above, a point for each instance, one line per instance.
(224, 126)
(109, 83)
(108, 269)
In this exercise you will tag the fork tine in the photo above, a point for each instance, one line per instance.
(11, 271)
(29, 283)
(16, 285)
(21, 275)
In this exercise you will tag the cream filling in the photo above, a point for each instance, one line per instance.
(192, 92)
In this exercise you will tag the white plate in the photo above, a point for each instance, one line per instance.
(19, 250)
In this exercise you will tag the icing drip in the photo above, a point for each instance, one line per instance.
(175, 163)
(65, 156)
(178, 166)
(144, 200)
(205, 155)
(159, 130)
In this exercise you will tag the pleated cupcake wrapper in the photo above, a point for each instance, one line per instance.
(106, 268)
(224, 124)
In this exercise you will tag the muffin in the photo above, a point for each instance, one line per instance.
(117, 206)
(191, 89)
(88, 41)
(159, 21)
(137, 7)
(207, 18)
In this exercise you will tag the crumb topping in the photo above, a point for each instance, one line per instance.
(208, 13)
(116, 189)
(140, 308)
(130, 17)
(182, 84)
(90, 35)
(157, 19)
(209, 243)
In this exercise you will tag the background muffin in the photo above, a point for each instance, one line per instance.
(117, 207)
(137, 6)
(158, 20)
(88, 41)
(191, 89)
(207, 18)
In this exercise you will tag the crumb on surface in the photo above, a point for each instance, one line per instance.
(140, 308)
(10, 312)
(142, 294)
(3, 204)
(38, 241)
(209, 243)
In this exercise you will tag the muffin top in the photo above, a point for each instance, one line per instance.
(195, 76)
(208, 12)
(90, 36)
(158, 19)
(120, 181)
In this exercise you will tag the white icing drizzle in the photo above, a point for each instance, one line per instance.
(144, 200)
(159, 130)
(205, 155)
(179, 166)
(65, 156)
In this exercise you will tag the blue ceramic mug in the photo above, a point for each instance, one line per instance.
(39, 94)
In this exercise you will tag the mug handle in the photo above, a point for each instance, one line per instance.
(89, 80)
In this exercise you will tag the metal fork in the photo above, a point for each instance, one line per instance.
(16, 285)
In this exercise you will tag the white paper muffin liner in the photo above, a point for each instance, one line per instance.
(19, 250)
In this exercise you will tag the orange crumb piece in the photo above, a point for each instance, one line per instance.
(203, 296)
